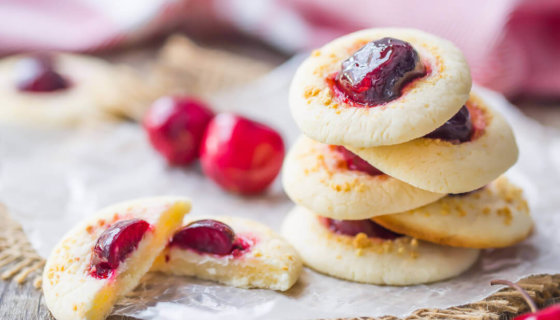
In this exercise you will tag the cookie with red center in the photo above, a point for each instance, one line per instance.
(362, 251)
(336, 183)
(379, 87)
(104, 257)
(443, 161)
(233, 251)
(55, 89)
(493, 217)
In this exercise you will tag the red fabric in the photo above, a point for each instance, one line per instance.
(512, 46)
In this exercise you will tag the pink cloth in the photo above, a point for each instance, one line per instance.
(512, 46)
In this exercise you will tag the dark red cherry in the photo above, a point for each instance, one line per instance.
(353, 227)
(36, 73)
(356, 163)
(377, 72)
(115, 244)
(241, 155)
(175, 127)
(550, 313)
(208, 236)
(457, 129)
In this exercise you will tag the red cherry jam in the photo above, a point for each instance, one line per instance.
(353, 162)
(37, 74)
(353, 227)
(377, 72)
(457, 129)
(210, 236)
(115, 244)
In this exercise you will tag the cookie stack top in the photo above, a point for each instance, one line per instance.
(400, 99)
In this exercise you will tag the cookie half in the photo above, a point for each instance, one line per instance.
(94, 89)
(77, 280)
(402, 261)
(265, 260)
(317, 176)
(424, 104)
(493, 217)
(447, 167)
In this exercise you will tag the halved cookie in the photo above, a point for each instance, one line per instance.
(492, 217)
(400, 261)
(328, 115)
(449, 167)
(318, 177)
(58, 89)
(257, 258)
(104, 257)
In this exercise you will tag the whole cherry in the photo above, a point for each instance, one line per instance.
(175, 127)
(115, 244)
(550, 313)
(241, 155)
(36, 73)
(208, 236)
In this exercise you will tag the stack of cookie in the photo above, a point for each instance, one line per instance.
(397, 179)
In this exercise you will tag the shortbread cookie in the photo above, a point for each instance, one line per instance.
(493, 217)
(397, 261)
(449, 167)
(326, 113)
(103, 258)
(318, 177)
(57, 89)
(242, 253)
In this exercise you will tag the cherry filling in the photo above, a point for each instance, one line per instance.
(377, 72)
(115, 244)
(457, 129)
(353, 162)
(36, 73)
(353, 227)
(209, 236)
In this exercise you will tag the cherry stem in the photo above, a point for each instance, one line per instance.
(522, 291)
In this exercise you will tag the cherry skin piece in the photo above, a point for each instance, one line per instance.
(457, 129)
(241, 155)
(208, 236)
(353, 227)
(550, 313)
(175, 127)
(36, 73)
(115, 244)
(376, 73)
(356, 163)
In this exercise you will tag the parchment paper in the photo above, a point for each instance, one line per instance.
(51, 179)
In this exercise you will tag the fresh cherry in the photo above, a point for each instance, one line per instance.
(550, 313)
(354, 162)
(209, 236)
(241, 155)
(377, 72)
(457, 129)
(115, 244)
(175, 127)
(353, 227)
(36, 73)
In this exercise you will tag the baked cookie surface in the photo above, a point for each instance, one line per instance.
(493, 217)
(268, 261)
(94, 91)
(446, 167)
(402, 261)
(74, 289)
(424, 104)
(317, 177)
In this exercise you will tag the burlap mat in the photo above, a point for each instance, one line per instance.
(183, 67)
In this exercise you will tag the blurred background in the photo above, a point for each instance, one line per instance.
(513, 46)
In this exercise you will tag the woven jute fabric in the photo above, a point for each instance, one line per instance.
(20, 262)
